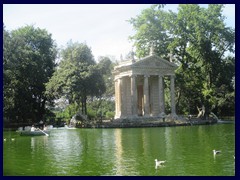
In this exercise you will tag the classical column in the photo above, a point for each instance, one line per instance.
(146, 96)
(161, 99)
(116, 99)
(120, 89)
(173, 109)
(133, 95)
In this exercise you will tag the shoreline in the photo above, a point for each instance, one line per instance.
(149, 122)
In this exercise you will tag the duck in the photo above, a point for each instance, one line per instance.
(216, 152)
(234, 156)
(4, 139)
(13, 139)
(159, 163)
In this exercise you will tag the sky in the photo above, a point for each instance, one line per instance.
(103, 27)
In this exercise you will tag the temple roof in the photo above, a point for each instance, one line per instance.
(152, 65)
(154, 62)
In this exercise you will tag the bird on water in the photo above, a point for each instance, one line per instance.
(216, 152)
(158, 163)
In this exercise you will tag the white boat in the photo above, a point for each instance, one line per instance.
(34, 133)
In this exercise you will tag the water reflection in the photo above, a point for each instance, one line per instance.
(118, 152)
(188, 150)
(168, 143)
(130, 151)
(66, 149)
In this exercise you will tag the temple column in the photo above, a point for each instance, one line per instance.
(172, 88)
(116, 99)
(133, 95)
(146, 96)
(120, 100)
(161, 99)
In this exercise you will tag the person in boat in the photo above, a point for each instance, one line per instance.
(44, 127)
(33, 128)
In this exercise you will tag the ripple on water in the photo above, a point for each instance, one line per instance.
(120, 152)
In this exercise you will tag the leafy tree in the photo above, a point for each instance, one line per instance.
(199, 40)
(150, 30)
(77, 76)
(106, 66)
(28, 62)
(102, 104)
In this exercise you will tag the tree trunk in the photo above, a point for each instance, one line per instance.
(178, 100)
(85, 105)
(82, 101)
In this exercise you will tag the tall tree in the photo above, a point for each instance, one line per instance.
(106, 66)
(28, 62)
(77, 76)
(150, 30)
(199, 40)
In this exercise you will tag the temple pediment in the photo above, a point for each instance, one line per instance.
(154, 62)
(151, 65)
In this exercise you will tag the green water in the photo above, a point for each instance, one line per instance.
(131, 151)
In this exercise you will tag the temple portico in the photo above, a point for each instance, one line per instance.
(139, 87)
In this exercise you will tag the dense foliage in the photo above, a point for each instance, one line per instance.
(28, 62)
(199, 41)
(202, 45)
(77, 76)
(100, 106)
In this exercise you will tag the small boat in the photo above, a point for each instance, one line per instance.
(34, 133)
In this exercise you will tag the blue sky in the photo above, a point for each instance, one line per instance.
(103, 26)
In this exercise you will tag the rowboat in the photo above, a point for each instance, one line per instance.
(34, 133)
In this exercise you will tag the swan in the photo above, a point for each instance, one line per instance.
(5, 139)
(158, 163)
(13, 139)
(216, 152)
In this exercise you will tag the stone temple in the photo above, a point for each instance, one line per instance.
(139, 88)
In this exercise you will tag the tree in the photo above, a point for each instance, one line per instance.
(28, 62)
(150, 29)
(199, 40)
(106, 66)
(77, 76)
(104, 103)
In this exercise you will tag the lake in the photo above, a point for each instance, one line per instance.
(188, 151)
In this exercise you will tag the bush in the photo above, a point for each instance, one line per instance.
(110, 114)
(91, 113)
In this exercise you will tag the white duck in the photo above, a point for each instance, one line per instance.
(158, 163)
(216, 152)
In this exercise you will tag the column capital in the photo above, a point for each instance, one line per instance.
(146, 75)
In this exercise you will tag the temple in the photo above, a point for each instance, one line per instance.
(139, 87)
